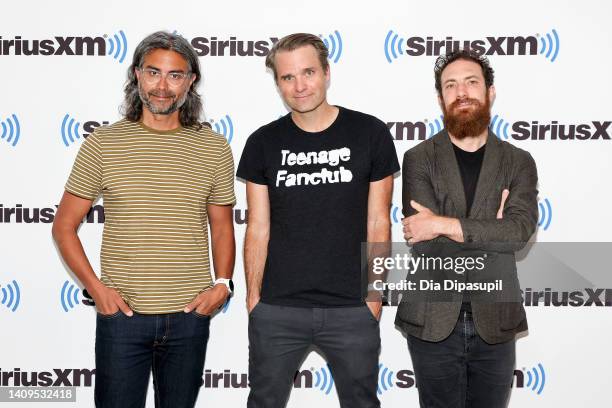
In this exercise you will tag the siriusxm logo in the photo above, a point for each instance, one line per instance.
(588, 297)
(396, 214)
(324, 381)
(333, 43)
(69, 296)
(232, 47)
(545, 217)
(546, 45)
(226, 305)
(387, 379)
(224, 126)
(70, 129)
(534, 130)
(241, 216)
(235, 47)
(11, 130)
(314, 378)
(115, 46)
(20, 214)
(416, 130)
(59, 377)
(536, 378)
(11, 295)
(403, 379)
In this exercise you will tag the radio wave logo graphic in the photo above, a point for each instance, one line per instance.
(324, 380)
(536, 378)
(500, 127)
(385, 379)
(11, 130)
(396, 214)
(550, 45)
(225, 127)
(226, 305)
(117, 46)
(11, 295)
(394, 46)
(545, 214)
(435, 125)
(333, 43)
(70, 130)
(69, 296)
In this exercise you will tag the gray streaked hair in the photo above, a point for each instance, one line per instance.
(191, 111)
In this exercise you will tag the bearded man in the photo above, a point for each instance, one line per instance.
(466, 189)
(164, 177)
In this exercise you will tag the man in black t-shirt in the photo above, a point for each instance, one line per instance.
(465, 190)
(319, 184)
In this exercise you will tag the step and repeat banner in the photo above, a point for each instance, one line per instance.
(62, 70)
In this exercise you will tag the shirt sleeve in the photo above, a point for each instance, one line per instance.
(223, 184)
(384, 156)
(252, 165)
(85, 179)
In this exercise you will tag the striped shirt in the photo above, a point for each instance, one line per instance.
(156, 186)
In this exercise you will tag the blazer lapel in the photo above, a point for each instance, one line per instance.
(447, 163)
(491, 165)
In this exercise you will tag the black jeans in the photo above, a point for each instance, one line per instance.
(463, 371)
(173, 346)
(280, 336)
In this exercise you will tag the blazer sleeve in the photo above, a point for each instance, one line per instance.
(417, 185)
(520, 215)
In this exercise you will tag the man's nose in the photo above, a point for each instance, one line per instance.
(461, 91)
(300, 84)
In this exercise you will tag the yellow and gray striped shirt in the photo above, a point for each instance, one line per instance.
(156, 186)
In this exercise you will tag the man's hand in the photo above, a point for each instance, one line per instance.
(108, 301)
(376, 309)
(251, 303)
(420, 226)
(208, 301)
(500, 212)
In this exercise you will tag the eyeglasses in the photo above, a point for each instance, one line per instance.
(152, 76)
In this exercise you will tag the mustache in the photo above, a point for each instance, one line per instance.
(162, 94)
(472, 101)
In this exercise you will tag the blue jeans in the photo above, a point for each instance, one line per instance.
(172, 345)
(462, 371)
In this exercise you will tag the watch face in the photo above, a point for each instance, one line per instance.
(231, 285)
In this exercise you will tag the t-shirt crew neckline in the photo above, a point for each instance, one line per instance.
(159, 132)
(323, 132)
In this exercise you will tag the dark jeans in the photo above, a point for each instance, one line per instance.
(462, 371)
(128, 348)
(280, 337)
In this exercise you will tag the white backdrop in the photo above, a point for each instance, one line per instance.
(560, 77)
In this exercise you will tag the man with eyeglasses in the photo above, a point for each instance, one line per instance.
(163, 177)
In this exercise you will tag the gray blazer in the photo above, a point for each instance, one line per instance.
(430, 176)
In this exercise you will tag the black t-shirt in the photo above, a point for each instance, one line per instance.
(318, 184)
(469, 167)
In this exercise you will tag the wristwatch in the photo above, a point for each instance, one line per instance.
(229, 284)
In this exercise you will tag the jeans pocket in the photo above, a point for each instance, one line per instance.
(255, 308)
(199, 315)
(110, 316)
(370, 314)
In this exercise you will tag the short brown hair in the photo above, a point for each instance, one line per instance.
(463, 54)
(295, 41)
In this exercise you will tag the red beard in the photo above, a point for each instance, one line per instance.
(462, 124)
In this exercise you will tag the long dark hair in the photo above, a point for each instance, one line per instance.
(191, 111)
